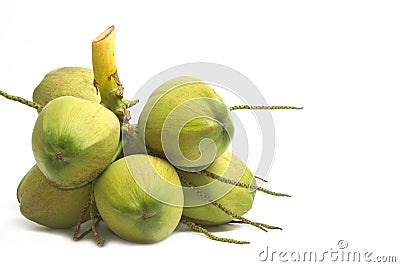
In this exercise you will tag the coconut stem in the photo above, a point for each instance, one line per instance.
(234, 215)
(90, 205)
(261, 179)
(22, 100)
(200, 229)
(220, 206)
(77, 238)
(93, 225)
(106, 78)
(263, 224)
(262, 107)
(243, 185)
(80, 220)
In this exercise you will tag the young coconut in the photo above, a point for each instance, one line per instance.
(42, 202)
(237, 199)
(222, 193)
(72, 81)
(140, 198)
(181, 114)
(187, 122)
(74, 140)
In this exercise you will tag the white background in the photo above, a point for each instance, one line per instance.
(338, 157)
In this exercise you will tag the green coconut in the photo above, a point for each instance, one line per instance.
(42, 202)
(74, 140)
(236, 199)
(187, 122)
(72, 81)
(140, 198)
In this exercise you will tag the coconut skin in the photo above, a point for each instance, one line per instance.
(209, 118)
(42, 202)
(74, 140)
(236, 199)
(129, 211)
(72, 81)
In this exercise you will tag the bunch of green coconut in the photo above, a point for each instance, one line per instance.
(142, 179)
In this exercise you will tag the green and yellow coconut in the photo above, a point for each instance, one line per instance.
(74, 140)
(236, 199)
(187, 122)
(140, 198)
(66, 81)
(46, 204)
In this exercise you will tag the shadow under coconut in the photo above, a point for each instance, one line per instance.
(213, 229)
(106, 234)
(35, 227)
(68, 233)
(209, 231)
(110, 237)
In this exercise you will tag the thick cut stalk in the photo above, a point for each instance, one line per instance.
(105, 73)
